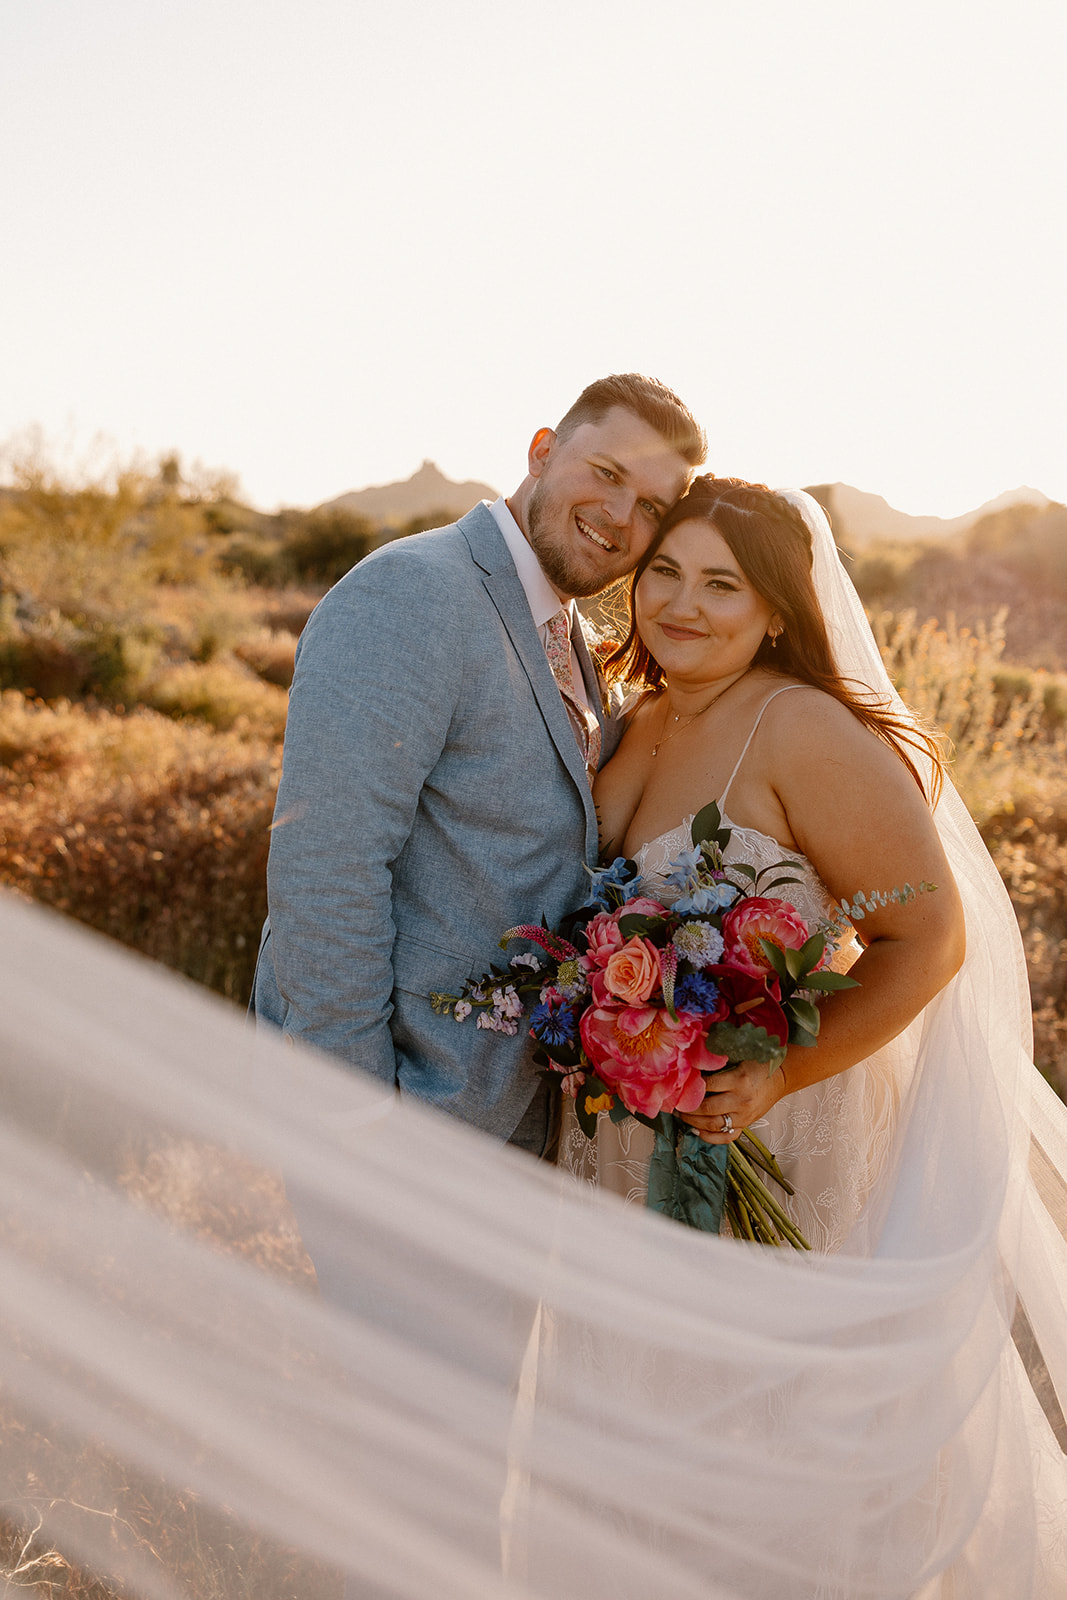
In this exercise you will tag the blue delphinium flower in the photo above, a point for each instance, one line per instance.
(686, 864)
(705, 898)
(554, 1022)
(696, 992)
(620, 877)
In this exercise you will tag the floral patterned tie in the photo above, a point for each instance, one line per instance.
(583, 721)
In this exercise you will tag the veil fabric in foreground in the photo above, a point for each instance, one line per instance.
(512, 1384)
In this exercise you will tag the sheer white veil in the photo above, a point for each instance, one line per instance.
(512, 1385)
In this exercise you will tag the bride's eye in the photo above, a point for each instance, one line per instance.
(664, 572)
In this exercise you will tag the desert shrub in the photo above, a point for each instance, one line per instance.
(1013, 561)
(1005, 748)
(287, 610)
(257, 560)
(1030, 851)
(153, 832)
(1030, 541)
(270, 655)
(321, 546)
(223, 693)
(54, 658)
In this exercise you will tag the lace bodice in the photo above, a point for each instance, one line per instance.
(809, 894)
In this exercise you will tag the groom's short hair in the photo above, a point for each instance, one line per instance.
(648, 399)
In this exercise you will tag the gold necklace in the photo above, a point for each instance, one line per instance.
(692, 716)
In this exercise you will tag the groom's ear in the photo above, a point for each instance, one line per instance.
(540, 450)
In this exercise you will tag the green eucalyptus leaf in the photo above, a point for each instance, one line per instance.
(825, 982)
(801, 1036)
(618, 1112)
(804, 1013)
(744, 1041)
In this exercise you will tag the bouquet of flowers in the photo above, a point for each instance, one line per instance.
(636, 1003)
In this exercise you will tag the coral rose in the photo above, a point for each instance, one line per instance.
(603, 937)
(650, 1061)
(754, 919)
(633, 973)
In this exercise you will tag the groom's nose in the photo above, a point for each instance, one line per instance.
(619, 504)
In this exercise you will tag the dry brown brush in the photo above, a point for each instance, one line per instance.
(151, 831)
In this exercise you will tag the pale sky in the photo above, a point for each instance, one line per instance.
(315, 242)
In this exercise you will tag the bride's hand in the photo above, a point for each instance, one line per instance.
(742, 1094)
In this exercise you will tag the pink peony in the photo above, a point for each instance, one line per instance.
(754, 919)
(643, 907)
(632, 974)
(603, 937)
(651, 1062)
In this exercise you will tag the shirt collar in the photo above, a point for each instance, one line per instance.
(543, 599)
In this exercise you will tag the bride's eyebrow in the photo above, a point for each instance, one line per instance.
(705, 572)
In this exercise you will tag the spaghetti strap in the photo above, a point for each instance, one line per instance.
(759, 718)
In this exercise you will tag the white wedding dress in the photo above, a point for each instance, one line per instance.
(830, 1139)
(533, 1390)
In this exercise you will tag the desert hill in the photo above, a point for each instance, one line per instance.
(426, 492)
(860, 518)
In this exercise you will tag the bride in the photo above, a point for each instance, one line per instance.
(741, 701)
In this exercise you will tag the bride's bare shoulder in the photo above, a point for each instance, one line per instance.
(808, 726)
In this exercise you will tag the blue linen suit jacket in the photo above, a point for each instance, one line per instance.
(432, 796)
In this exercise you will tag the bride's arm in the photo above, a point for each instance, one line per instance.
(858, 815)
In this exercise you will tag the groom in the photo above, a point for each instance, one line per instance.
(435, 788)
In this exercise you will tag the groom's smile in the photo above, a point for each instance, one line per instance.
(592, 533)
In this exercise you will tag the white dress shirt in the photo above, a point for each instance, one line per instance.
(543, 599)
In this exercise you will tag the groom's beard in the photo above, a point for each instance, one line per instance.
(546, 531)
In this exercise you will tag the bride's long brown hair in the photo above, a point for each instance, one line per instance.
(771, 542)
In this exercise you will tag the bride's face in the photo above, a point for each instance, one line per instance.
(697, 613)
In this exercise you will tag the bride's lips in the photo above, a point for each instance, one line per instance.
(679, 633)
(594, 535)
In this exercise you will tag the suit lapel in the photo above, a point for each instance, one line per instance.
(505, 589)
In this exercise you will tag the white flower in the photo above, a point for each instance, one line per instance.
(526, 958)
(507, 1003)
(699, 943)
(463, 1010)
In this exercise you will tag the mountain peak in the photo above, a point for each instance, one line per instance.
(426, 493)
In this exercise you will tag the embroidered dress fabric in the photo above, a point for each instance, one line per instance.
(531, 1389)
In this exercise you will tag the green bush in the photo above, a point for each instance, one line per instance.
(322, 546)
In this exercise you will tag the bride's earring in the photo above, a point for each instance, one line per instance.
(774, 632)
